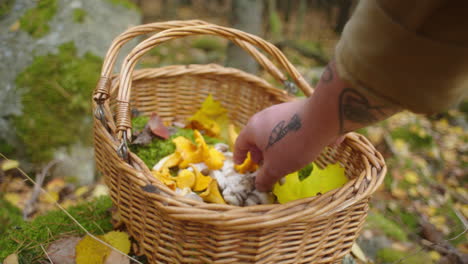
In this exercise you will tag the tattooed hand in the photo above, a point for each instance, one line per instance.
(285, 137)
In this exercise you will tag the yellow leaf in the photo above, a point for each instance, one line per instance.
(399, 193)
(13, 198)
(50, 197)
(9, 164)
(212, 194)
(185, 179)
(319, 181)
(119, 240)
(81, 191)
(435, 256)
(247, 166)
(211, 118)
(91, 251)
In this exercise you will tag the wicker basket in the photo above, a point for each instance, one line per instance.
(172, 229)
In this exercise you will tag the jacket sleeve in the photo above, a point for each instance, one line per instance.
(410, 53)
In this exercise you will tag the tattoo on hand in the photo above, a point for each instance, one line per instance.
(355, 107)
(280, 130)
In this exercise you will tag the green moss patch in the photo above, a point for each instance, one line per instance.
(5, 7)
(36, 20)
(79, 15)
(387, 226)
(26, 237)
(58, 89)
(159, 148)
(9, 216)
(388, 255)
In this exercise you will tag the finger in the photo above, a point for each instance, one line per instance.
(241, 147)
(256, 155)
(266, 178)
(339, 140)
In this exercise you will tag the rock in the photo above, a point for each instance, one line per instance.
(88, 27)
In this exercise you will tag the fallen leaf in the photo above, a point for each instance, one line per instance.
(319, 181)
(117, 258)
(411, 177)
(63, 250)
(11, 259)
(100, 190)
(119, 240)
(358, 253)
(91, 251)
(157, 126)
(143, 138)
(9, 164)
(211, 118)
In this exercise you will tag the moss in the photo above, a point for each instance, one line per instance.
(387, 226)
(388, 255)
(36, 20)
(9, 216)
(208, 44)
(79, 15)
(6, 148)
(410, 134)
(125, 3)
(159, 148)
(56, 101)
(27, 236)
(5, 7)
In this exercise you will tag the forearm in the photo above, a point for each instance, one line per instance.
(336, 108)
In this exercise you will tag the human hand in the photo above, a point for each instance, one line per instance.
(277, 138)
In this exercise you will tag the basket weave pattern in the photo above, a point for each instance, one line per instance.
(173, 229)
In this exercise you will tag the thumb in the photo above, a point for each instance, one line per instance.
(266, 178)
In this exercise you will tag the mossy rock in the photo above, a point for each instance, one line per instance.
(56, 101)
(36, 20)
(5, 7)
(125, 3)
(209, 44)
(389, 255)
(25, 237)
(387, 226)
(79, 15)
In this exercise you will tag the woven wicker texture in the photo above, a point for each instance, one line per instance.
(172, 229)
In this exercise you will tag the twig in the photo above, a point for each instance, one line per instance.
(45, 252)
(73, 219)
(29, 207)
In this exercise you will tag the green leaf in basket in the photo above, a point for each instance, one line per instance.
(319, 181)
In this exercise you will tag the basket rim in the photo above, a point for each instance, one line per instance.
(257, 216)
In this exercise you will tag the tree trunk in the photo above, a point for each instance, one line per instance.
(246, 15)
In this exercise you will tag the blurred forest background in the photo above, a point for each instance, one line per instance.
(418, 216)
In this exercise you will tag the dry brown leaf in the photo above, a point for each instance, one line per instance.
(63, 250)
(117, 258)
(157, 126)
(11, 259)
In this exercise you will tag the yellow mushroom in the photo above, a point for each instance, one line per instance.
(185, 179)
(210, 156)
(201, 181)
(212, 194)
(247, 166)
(165, 177)
(188, 152)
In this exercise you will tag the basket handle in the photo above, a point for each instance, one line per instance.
(123, 120)
(102, 91)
